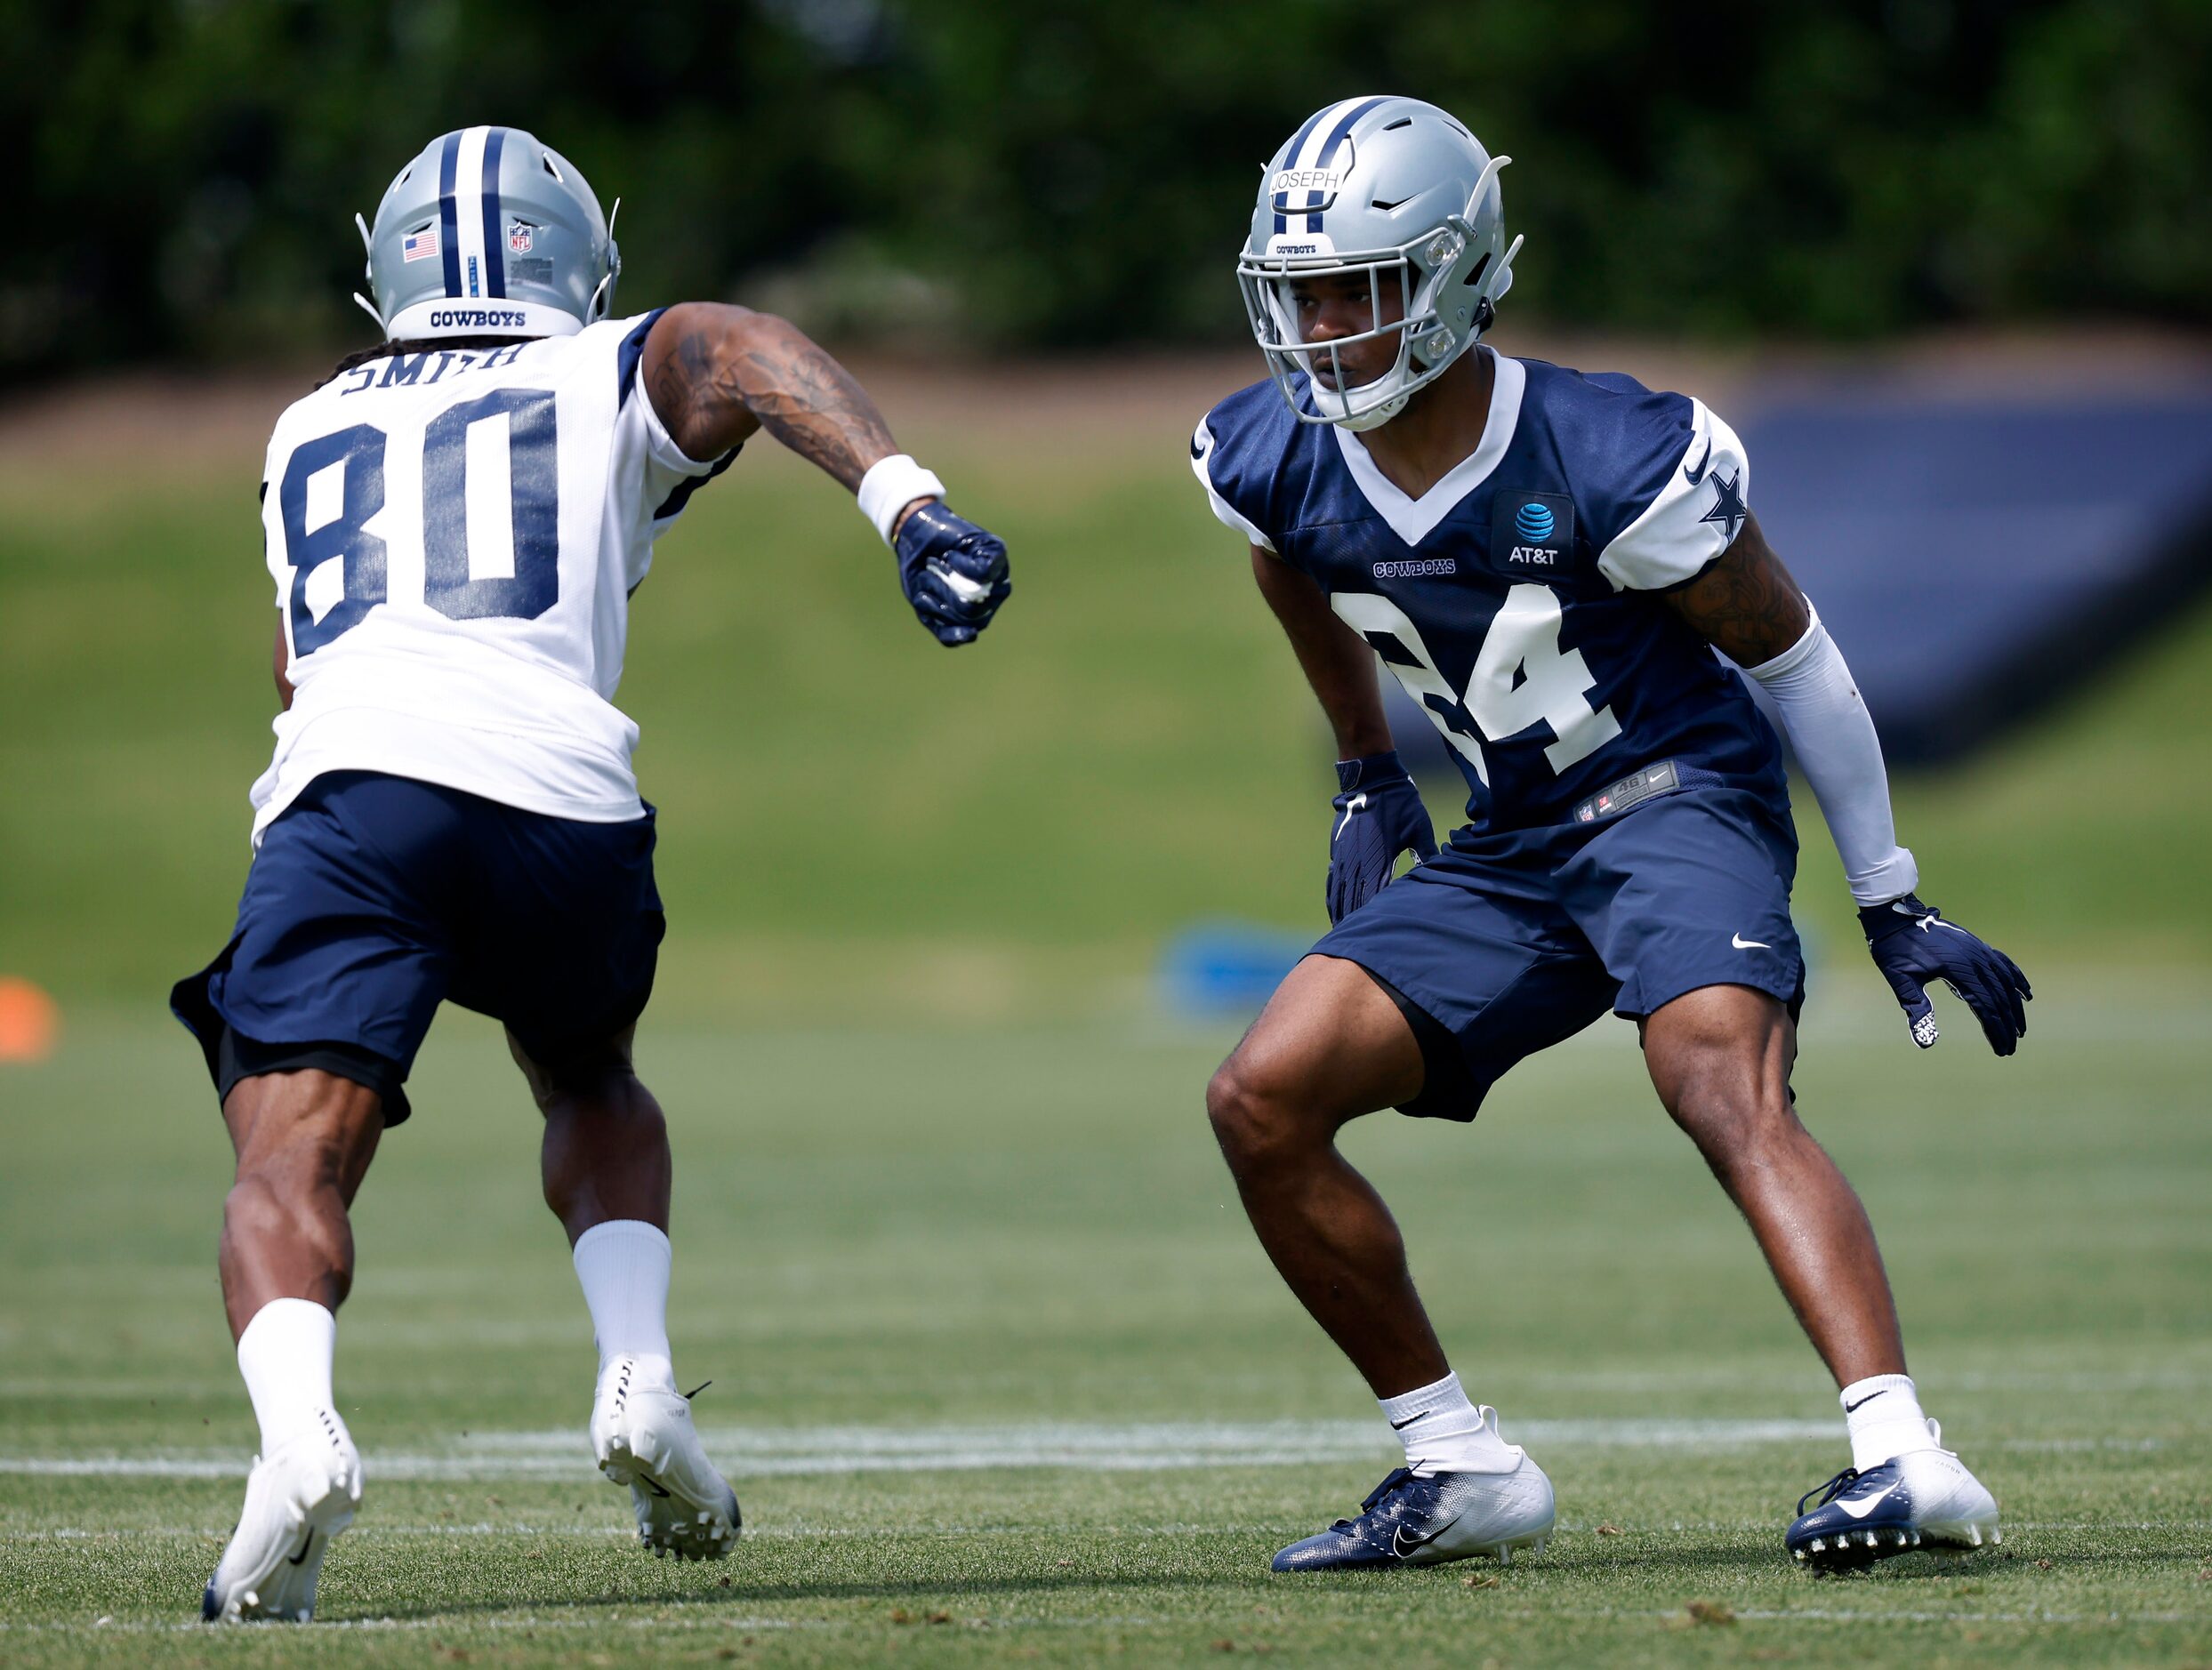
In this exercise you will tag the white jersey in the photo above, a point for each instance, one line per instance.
(454, 536)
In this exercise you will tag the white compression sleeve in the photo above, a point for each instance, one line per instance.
(1833, 736)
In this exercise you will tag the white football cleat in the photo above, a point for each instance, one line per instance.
(1425, 1520)
(297, 1499)
(643, 1436)
(1923, 1499)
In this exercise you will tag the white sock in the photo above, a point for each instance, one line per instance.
(1882, 1414)
(1443, 1432)
(285, 1354)
(623, 1265)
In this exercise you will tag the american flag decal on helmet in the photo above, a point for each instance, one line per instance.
(421, 246)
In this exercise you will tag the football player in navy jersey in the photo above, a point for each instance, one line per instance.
(455, 524)
(1548, 561)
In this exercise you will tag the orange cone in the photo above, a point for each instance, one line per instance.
(29, 1020)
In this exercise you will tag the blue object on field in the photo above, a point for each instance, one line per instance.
(1221, 970)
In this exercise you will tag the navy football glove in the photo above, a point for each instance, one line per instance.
(953, 572)
(1378, 815)
(1913, 944)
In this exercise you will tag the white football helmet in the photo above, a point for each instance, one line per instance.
(1400, 189)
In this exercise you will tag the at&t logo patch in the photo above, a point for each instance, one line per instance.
(1533, 531)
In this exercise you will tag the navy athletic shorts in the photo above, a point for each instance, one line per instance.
(374, 897)
(1506, 943)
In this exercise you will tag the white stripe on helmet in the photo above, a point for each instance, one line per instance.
(468, 200)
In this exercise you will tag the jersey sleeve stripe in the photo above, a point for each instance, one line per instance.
(1675, 539)
(673, 505)
(627, 357)
(1226, 513)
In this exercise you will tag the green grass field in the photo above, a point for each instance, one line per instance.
(998, 1368)
(926, 1273)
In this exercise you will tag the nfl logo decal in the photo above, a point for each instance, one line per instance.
(519, 239)
(421, 246)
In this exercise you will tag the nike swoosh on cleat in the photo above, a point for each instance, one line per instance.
(1695, 476)
(1400, 1545)
(1741, 944)
(1859, 1510)
(1399, 1427)
(307, 1547)
(1853, 1408)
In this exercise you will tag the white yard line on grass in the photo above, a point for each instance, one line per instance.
(759, 1452)
(450, 1624)
(763, 1452)
(370, 1529)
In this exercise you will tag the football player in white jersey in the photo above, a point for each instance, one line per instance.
(454, 522)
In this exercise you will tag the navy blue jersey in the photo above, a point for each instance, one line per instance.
(1518, 599)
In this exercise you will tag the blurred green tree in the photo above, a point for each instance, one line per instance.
(1080, 174)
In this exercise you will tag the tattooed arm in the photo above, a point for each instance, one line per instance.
(719, 374)
(1746, 606)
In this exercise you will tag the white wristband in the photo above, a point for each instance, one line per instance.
(890, 486)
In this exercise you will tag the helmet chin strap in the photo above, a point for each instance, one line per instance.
(596, 308)
(368, 248)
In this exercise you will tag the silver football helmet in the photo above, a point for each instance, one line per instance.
(1399, 189)
(489, 232)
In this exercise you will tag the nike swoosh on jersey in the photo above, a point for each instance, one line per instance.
(1741, 944)
(1695, 476)
(1859, 1510)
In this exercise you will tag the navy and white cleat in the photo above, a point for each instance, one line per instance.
(1409, 1521)
(643, 1436)
(297, 1499)
(1925, 1498)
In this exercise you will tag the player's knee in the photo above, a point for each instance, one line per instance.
(282, 1206)
(1735, 1121)
(255, 1207)
(1255, 1122)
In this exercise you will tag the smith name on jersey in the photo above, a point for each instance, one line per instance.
(1516, 600)
(454, 535)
